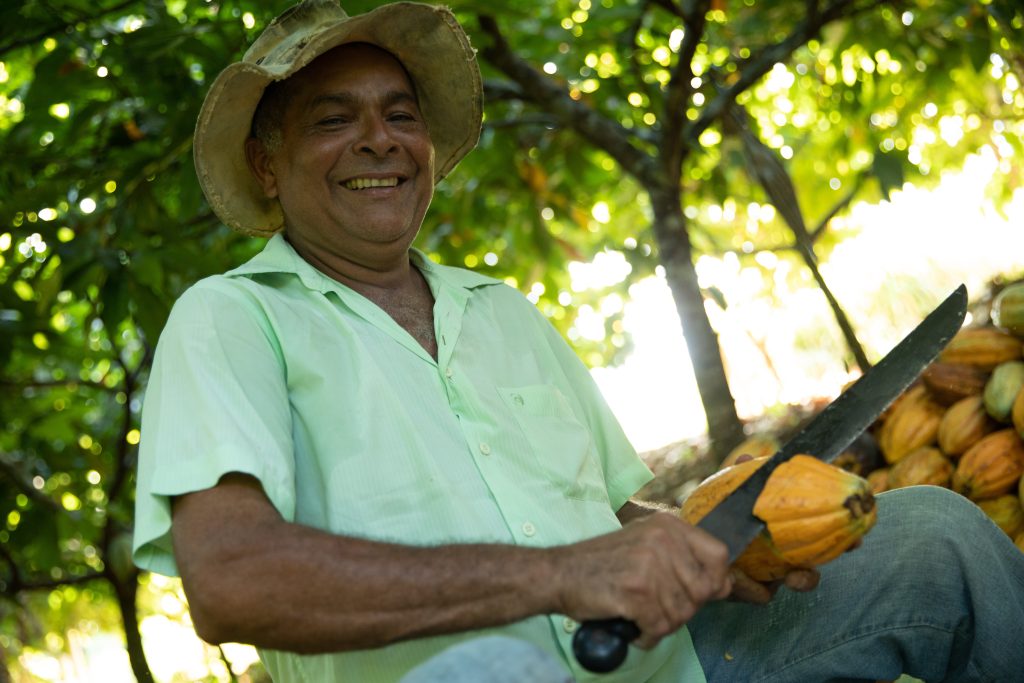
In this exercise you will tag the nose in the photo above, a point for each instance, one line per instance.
(375, 138)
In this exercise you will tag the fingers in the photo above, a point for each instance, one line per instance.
(802, 580)
(746, 589)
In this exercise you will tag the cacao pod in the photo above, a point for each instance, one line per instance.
(1008, 309)
(913, 422)
(1017, 413)
(1002, 388)
(878, 480)
(862, 456)
(963, 425)
(1006, 512)
(921, 466)
(983, 347)
(756, 446)
(813, 512)
(759, 561)
(991, 467)
(951, 382)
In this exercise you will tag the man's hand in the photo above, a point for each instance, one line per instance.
(657, 572)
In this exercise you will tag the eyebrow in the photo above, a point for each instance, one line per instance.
(391, 98)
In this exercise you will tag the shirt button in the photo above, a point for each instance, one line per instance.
(485, 448)
(568, 625)
(448, 373)
(517, 399)
(529, 529)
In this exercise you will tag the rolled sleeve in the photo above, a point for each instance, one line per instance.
(217, 402)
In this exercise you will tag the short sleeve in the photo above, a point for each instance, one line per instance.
(216, 402)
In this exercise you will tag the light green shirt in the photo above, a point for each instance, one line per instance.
(278, 371)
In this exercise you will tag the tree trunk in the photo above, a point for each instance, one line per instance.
(724, 427)
(126, 593)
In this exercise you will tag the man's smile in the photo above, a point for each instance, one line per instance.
(365, 183)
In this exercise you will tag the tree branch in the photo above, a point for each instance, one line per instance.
(760, 64)
(599, 130)
(679, 91)
(834, 211)
(62, 26)
(10, 470)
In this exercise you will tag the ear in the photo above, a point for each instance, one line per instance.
(259, 161)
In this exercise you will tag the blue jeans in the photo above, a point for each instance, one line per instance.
(936, 591)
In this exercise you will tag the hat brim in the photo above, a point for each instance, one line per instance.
(426, 39)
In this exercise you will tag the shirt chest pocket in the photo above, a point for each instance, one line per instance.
(561, 444)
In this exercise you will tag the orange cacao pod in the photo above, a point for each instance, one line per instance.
(991, 467)
(757, 446)
(878, 480)
(951, 382)
(913, 422)
(813, 512)
(1006, 512)
(921, 466)
(984, 347)
(963, 425)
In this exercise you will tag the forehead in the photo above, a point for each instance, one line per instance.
(352, 66)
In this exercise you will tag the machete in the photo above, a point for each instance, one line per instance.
(601, 645)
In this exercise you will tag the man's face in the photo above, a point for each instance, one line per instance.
(355, 169)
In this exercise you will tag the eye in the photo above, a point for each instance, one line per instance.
(333, 120)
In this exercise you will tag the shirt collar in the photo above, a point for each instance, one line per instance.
(278, 256)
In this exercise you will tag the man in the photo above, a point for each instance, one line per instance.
(356, 458)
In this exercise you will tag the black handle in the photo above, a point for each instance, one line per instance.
(601, 645)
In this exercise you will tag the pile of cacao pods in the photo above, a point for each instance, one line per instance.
(960, 426)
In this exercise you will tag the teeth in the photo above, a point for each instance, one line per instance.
(363, 183)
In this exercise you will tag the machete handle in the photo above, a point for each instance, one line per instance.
(601, 645)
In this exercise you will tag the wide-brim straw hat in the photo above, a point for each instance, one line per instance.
(426, 39)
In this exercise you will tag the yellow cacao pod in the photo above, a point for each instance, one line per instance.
(983, 347)
(1008, 309)
(952, 382)
(1006, 512)
(921, 466)
(1002, 388)
(756, 446)
(991, 467)
(963, 425)
(813, 512)
(1017, 413)
(878, 480)
(913, 422)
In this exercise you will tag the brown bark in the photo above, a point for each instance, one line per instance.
(724, 427)
(126, 592)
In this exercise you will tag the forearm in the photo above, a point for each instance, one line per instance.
(312, 592)
(634, 509)
(285, 586)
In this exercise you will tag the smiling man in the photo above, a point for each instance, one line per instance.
(377, 468)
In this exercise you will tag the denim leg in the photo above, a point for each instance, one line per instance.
(936, 591)
(494, 659)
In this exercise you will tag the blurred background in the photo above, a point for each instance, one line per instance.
(728, 207)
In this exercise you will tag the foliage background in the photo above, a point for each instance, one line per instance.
(103, 225)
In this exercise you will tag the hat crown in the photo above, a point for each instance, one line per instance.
(292, 30)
